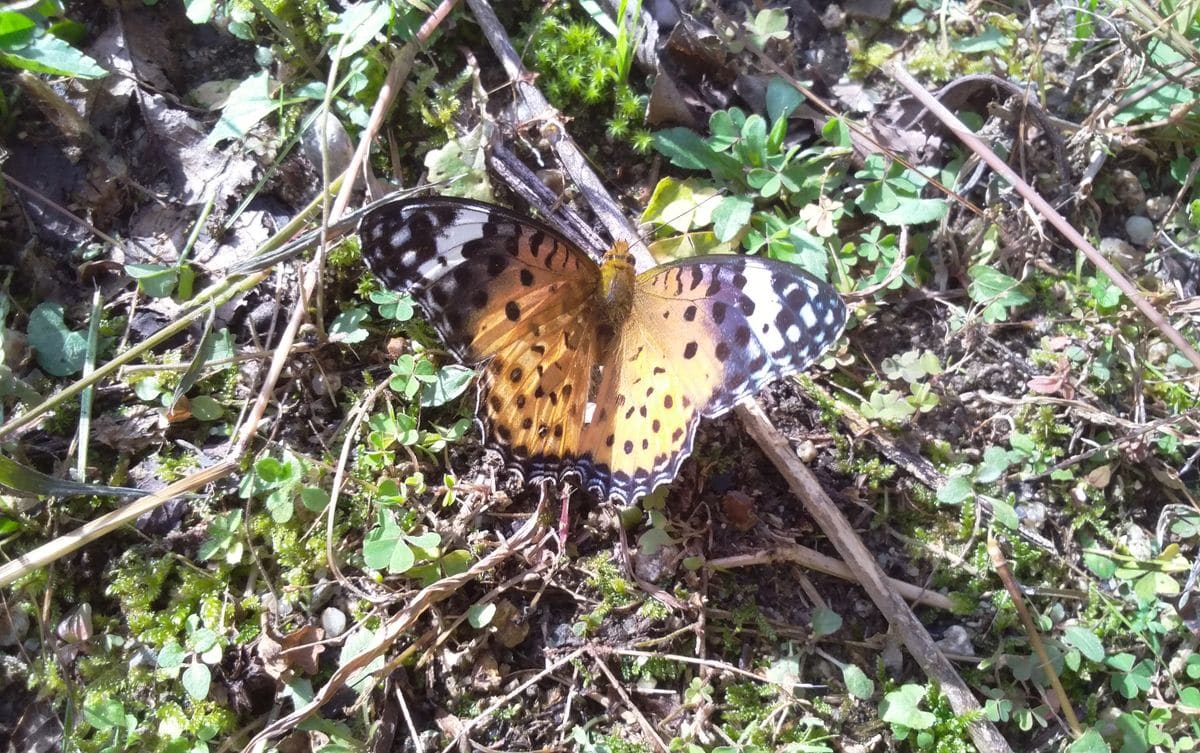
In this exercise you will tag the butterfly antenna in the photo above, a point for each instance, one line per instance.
(643, 243)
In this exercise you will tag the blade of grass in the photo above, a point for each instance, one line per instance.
(85, 397)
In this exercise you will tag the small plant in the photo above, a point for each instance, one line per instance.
(776, 198)
(922, 716)
(34, 36)
(579, 68)
(199, 651)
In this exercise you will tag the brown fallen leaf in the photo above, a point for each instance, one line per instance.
(296, 652)
(1056, 383)
(740, 510)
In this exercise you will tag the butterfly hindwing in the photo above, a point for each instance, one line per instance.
(536, 393)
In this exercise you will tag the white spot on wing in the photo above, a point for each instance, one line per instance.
(760, 288)
(808, 316)
(457, 235)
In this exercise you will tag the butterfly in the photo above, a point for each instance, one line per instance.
(592, 372)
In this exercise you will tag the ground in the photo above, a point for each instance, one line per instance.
(338, 561)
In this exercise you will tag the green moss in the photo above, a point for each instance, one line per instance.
(579, 69)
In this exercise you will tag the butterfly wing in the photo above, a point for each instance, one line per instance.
(503, 289)
(703, 334)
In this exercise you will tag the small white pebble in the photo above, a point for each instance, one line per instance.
(1139, 230)
(806, 451)
(334, 622)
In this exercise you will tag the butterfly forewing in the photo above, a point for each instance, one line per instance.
(736, 323)
(703, 334)
(485, 276)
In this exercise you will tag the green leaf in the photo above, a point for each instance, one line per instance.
(222, 534)
(784, 670)
(725, 128)
(1004, 514)
(996, 290)
(782, 98)
(912, 210)
(1107, 295)
(60, 352)
(955, 491)
(357, 643)
(1089, 742)
(753, 148)
(314, 498)
(888, 406)
(461, 165)
(769, 23)
(155, 280)
(105, 714)
(20, 478)
(196, 681)
(49, 54)
(1189, 697)
(1086, 641)
(199, 11)
(901, 706)
(991, 40)
(681, 204)
(202, 640)
(410, 373)
(385, 547)
(684, 148)
(911, 366)
(825, 622)
(216, 345)
(16, 30)
(857, 683)
(836, 132)
(206, 408)
(280, 505)
(452, 380)
(395, 306)
(249, 103)
(730, 216)
(686, 245)
(359, 25)
(171, 656)
(347, 326)
(996, 461)
(480, 615)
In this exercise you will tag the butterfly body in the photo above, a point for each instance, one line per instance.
(591, 371)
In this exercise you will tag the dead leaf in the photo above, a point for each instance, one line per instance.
(507, 626)
(740, 510)
(296, 652)
(485, 674)
(1056, 383)
(142, 427)
(1099, 477)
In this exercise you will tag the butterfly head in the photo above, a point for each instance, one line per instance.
(617, 274)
